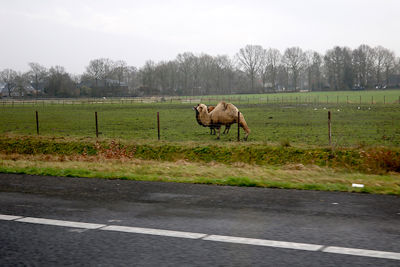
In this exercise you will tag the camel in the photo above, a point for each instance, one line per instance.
(223, 114)
(212, 127)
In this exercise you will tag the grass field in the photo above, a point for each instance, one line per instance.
(287, 148)
(290, 119)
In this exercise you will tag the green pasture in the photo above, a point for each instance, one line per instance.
(289, 119)
(331, 97)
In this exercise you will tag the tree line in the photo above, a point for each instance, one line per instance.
(253, 69)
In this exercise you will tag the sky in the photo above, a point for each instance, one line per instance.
(71, 33)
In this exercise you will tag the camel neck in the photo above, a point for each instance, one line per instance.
(205, 117)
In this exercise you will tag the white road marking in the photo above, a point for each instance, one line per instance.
(263, 242)
(61, 223)
(363, 252)
(150, 231)
(206, 237)
(8, 217)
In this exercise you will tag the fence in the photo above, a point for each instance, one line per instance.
(298, 98)
(284, 123)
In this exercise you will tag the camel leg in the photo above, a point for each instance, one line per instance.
(219, 132)
(227, 127)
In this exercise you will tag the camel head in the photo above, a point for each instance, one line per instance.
(201, 108)
(195, 108)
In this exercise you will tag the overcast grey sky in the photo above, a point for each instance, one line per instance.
(70, 33)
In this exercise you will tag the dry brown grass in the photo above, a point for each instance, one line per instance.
(289, 176)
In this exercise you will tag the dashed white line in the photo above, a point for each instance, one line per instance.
(263, 242)
(9, 217)
(150, 231)
(61, 223)
(363, 252)
(206, 237)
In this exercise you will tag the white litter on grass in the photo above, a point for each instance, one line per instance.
(315, 109)
(324, 108)
(357, 185)
(338, 110)
(334, 203)
(358, 107)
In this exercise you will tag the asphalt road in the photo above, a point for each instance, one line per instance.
(262, 216)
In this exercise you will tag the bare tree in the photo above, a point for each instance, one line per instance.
(339, 68)
(294, 58)
(313, 65)
(38, 74)
(22, 81)
(225, 72)
(384, 64)
(99, 69)
(185, 64)
(363, 62)
(148, 78)
(131, 79)
(119, 68)
(8, 76)
(273, 60)
(60, 83)
(250, 59)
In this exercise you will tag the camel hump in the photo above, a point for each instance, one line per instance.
(210, 108)
(224, 105)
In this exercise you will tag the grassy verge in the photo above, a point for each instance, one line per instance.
(249, 164)
(291, 176)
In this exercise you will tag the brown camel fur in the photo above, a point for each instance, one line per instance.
(223, 114)
(212, 127)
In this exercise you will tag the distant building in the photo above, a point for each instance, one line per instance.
(2, 87)
(26, 90)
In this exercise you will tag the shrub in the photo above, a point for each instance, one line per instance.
(381, 159)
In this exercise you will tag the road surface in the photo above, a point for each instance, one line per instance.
(53, 221)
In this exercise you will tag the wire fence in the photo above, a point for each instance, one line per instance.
(286, 122)
(256, 99)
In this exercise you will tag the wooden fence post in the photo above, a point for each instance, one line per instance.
(97, 125)
(238, 121)
(37, 123)
(329, 128)
(158, 124)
